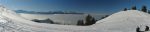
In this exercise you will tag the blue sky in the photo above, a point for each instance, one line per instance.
(86, 6)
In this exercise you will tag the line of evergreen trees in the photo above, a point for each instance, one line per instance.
(89, 20)
(104, 16)
(144, 8)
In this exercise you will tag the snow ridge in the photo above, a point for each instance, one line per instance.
(8, 24)
(127, 14)
(125, 21)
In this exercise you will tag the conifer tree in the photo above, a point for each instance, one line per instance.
(144, 9)
(80, 22)
(89, 20)
(93, 21)
(125, 9)
(134, 8)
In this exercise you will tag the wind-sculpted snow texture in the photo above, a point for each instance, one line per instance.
(123, 21)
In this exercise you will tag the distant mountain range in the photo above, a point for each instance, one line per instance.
(50, 12)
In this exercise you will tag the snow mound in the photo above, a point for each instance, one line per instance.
(126, 14)
(125, 21)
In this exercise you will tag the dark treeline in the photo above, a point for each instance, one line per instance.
(143, 9)
(89, 20)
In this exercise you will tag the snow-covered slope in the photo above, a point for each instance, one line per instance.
(123, 21)
(12, 22)
(126, 21)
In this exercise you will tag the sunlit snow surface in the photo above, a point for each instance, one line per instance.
(3, 21)
(123, 21)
